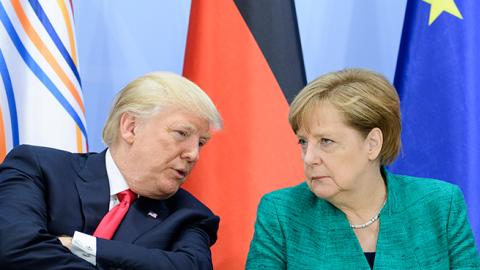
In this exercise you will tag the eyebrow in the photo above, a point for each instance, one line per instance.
(319, 135)
(206, 138)
(192, 129)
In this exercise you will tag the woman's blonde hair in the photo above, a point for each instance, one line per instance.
(366, 99)
(155, 91)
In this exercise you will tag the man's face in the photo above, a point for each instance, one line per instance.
(162, 150)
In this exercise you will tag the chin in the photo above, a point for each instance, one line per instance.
(162, 196)
(322, 192)
(165, 194)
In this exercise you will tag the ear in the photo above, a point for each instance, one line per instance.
(375, 142)
(128, 123)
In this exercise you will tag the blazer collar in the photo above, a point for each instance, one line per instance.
(391, 182)
(142, 216)
(340, 243)
(339, 236)
(328, 232)
(393, 229)
(93, 189)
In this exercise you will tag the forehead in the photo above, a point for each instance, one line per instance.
(323, 118)
(182, 118)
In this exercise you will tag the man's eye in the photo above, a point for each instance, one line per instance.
(182, 133)
(201, 143)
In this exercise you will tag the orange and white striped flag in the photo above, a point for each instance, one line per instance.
(41, 101)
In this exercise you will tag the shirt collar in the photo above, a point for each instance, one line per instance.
(115, 178)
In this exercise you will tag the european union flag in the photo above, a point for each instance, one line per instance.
(438, 80)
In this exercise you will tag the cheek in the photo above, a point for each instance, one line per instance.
(150, 166)
(356, 161)
(158, 155)
(306, 169)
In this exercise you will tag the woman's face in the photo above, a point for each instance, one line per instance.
(336, 156)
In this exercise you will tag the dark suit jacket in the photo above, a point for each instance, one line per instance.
(45, 193)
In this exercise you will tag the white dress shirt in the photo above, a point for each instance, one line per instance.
(84, 245)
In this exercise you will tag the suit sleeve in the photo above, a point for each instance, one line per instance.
(190, 251)
(25, 242)
(267, 249)
(462, 251)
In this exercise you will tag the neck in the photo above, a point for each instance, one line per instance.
(119, 157)
(362, 203)
(118, 152)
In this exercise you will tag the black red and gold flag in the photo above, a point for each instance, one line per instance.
(247, 56)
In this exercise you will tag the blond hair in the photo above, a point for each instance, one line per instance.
(365, 98)
(152, 92)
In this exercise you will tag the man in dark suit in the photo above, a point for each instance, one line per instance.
(52, 201)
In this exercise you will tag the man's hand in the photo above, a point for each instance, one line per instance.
(66, 241)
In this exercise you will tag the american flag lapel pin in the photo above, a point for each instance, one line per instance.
(152, 214)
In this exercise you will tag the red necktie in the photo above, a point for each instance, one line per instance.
(110, 222)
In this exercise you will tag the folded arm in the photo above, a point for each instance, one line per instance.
(25, 241)
(190, 251)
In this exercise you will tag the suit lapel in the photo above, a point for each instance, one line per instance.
(142, 216)
(343, 247)
(93, 190)
(393, 244)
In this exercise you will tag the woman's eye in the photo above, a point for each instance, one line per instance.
(326, 141)
(201, 143)
(302, 142)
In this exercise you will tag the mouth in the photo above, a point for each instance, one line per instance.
(181, 173)
(318, 178)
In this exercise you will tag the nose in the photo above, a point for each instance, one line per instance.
(311, 155)
(191, 152)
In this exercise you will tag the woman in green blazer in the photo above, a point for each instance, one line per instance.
(351, 213)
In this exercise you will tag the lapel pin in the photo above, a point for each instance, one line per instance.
(152, 214)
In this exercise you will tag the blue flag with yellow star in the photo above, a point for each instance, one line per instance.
(438, 80)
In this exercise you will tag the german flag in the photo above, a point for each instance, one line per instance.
(247, 56)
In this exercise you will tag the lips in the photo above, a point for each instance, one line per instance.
(182, 173)
(318, 178)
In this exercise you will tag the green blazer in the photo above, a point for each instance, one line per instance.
(423, 225)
